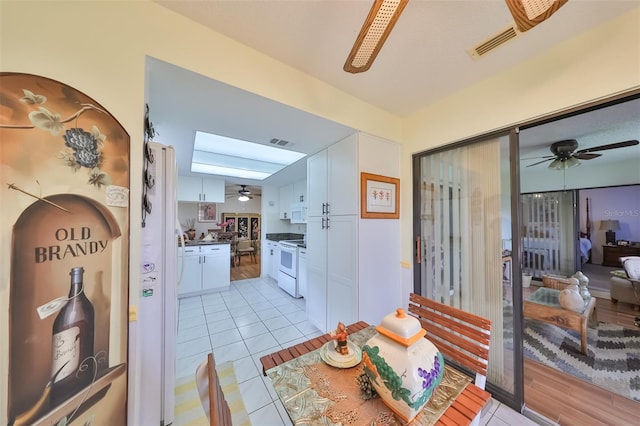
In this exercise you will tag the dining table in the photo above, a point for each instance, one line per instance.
(316, 391)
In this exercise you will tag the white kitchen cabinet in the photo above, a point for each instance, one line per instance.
(216, 267)
(317, 184)
(333, 180)
(286, 196)
(189, 264)
(270, 255)
(299, 202)
(350, 274)
(299, 192)
(332, 271)
(204, 268)
(276, 260)
(316, 299)
(302, 271)
(193, 188)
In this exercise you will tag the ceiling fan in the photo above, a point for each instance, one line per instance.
(565, 154)
(384, 13)
(243, 194)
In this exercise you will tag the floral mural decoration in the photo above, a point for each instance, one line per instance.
(83, 148)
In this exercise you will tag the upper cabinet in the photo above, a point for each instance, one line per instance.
(300, 192)
(193, 188)
(299, 202)
(286, 197)
(293, 201)
(333, 180)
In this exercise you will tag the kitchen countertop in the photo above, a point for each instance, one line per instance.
(203, 243)
(284, 236)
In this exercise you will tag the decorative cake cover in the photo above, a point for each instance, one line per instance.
(403, 366)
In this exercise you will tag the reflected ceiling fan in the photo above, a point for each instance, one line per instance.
(385, 13)
(565, 154)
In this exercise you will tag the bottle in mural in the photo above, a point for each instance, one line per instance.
(73, 331)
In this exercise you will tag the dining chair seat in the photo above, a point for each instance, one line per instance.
(244, 248)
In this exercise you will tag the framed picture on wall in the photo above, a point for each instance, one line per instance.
(230, 219)
(207, 212)
(380, 196)
(255, 228)
(243, 226)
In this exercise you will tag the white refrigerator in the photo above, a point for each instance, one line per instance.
(157, 308)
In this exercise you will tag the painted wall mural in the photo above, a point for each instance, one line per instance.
(64, 201)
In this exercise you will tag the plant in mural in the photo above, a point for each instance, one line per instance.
(84, 149)
(64, 201)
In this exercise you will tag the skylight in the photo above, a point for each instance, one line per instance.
(221, 155)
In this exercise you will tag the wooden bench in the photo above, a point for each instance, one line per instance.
(211, 396)
(463, 338)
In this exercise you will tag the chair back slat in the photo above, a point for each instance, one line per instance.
(461, 336)
(211, 395)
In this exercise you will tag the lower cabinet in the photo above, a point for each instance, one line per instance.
(274, 252)
(332, 271)
(204, 268)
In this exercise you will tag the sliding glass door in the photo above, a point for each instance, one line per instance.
(463, 230)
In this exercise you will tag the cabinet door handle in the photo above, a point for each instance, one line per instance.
(323, 209)
(327, 223)
(200, 260)
(323, 219)
(327, 208)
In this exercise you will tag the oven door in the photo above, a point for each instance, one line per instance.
(289, 260)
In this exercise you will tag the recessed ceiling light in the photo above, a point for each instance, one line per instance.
(220, 155)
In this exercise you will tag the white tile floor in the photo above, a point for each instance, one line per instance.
(254, 317)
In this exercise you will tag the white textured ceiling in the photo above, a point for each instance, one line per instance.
(423, 60)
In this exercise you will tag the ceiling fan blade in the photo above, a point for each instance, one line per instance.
(586, 156)
(610, 146)
(375, 30)
(537, 158)
(540, 162)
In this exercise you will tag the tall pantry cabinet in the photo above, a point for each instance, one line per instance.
(351, 275)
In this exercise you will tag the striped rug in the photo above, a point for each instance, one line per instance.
(188, 409)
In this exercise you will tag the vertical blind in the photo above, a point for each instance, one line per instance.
(461, 235)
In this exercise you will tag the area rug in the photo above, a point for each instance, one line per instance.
(612, 360)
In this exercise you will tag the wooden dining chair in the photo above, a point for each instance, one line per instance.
(211, 396)
(244, 248)
(460, 336)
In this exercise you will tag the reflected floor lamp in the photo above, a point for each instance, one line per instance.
(611, 226)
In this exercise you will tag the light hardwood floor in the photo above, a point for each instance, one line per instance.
(571, 401)
(246, 268)
(567, 400)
